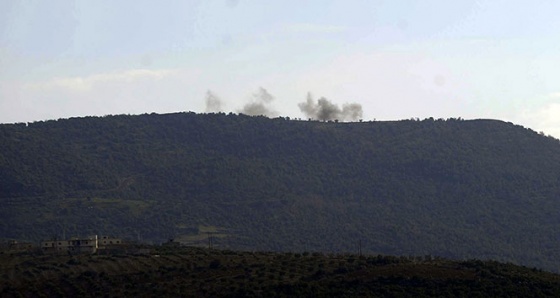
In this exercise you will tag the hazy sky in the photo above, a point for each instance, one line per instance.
(398, 59)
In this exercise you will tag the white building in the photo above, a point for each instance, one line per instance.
(109, 241)
(74, 244)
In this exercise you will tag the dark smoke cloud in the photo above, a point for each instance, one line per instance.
(213, 103)
(259, 104)
(325, 110)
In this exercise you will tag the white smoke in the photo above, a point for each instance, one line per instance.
(213, 103)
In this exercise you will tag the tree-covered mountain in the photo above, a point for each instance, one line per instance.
(452, 188)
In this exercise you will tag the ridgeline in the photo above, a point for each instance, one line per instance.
(458, 189)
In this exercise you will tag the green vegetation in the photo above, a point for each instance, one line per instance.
(195, 272)
(457, 189)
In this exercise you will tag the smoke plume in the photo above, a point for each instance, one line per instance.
(325, 110)
(213, 103)
(259, 105)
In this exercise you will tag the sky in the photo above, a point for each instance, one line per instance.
(396, 59)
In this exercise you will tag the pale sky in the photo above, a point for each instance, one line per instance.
(398, 59)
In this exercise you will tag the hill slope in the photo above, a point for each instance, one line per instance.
(212, 273)
(458, 189)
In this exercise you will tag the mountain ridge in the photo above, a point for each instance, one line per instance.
(452, 188)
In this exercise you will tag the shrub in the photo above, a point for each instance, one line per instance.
(215, 264)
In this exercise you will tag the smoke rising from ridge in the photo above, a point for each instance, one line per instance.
(213, 103)
(259, 104)
(325, 110)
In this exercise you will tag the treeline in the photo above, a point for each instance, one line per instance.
(453, 188)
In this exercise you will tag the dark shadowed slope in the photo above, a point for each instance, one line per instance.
(461, 189)
(192, 272)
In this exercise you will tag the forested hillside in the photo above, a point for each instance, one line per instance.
(454, 188)
(199, 272)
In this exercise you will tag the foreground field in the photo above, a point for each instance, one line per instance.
(197, 272)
